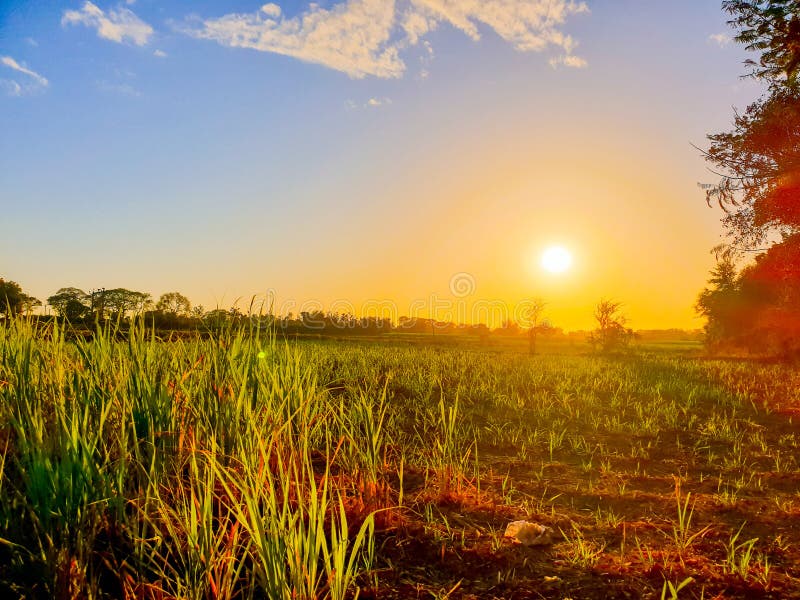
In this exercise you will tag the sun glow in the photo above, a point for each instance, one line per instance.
(556, 259)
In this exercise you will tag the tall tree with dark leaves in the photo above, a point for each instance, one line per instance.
(759, 165)
(771, 28)
(759, 160)
(13, 300)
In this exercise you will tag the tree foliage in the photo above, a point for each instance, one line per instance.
(721, 303)
(174, 304)
(771, 28)
(759, 164)
(611, 334)
(70, 302)
(13, 300)
(756, 309)
(119, 302)
(759, 160)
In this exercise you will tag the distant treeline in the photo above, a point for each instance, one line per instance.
(173, 312)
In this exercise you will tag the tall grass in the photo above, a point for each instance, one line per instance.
(198, 469)
(239, 465)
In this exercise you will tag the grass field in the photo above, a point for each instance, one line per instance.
(249, 467)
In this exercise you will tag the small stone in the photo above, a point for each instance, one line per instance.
(529, 534)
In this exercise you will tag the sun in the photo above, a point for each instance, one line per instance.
(556, 259)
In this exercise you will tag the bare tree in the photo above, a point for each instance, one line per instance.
(534, 313)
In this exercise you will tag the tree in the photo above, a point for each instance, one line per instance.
(119, 302)
(13, 300)
(770, 290)
(611, 334)
(70, 303)
(759, 190)
(174, 304)
(759, 162)
(216, 318)
(721, 303)
(771, 27)
(533, 312)
(508, 327)
(756, 309)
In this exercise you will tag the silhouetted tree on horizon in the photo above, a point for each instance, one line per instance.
(533, 315)
(116, 303)
(611, 334)
(720, 304)
(70, 303)
(13, 300)
(175, 304)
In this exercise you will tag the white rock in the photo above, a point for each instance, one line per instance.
(529, 534)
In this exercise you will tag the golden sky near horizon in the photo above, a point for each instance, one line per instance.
(161, 160)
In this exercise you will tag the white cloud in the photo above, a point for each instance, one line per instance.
(271, 10)
(34, 82)
(416, 24)
(31, 42)
(568, 60)
(720, 39)
(12, 64)
(528, 24)
(117, 25)
(371, 103)
(365, 37)
(352, 37)
(160, 54)
(121, 89)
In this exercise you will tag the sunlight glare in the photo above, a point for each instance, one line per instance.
(556, 259)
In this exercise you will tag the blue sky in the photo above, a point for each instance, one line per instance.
(364, 148)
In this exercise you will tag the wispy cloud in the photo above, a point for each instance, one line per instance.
(10, 87)
(118, 24)
(13, 64)
(160, 54)
(33, 81)
(374, 102)
(121, 82)
(720, 39)
(568, 60)
(365, 37)
(530, 25)
(120, 89)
